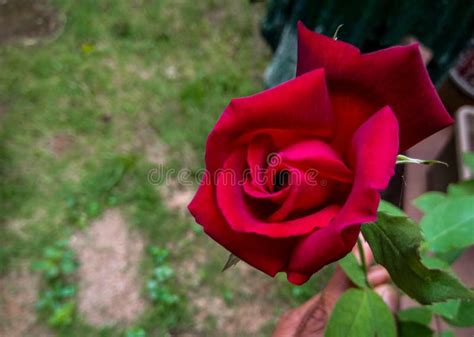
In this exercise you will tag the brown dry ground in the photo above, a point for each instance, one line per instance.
(27, 20)
(18, 290)
(109, 283)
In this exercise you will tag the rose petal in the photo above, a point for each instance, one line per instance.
(394, 76)
(259, 149)
(299, 106)
(267, 254)
(373, 155)
(303, 196)
(321, 247)
(257, 193)
(241, 217)
(316, 155)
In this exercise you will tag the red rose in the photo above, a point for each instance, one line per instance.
(292, 172)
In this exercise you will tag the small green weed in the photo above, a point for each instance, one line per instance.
(56, 303)
(135, 332)
(157, 286)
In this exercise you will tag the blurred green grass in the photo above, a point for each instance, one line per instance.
(119, 70)
(121, 75)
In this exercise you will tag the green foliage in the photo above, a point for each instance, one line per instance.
(455, 312)
(56, 301)
(414, 322)
(135, 332)
(446, 309)
(468, 159)
(420, 315)
(463, 188)
(360, 313)
(389, 208)
(123, 77)
(98, 190)
(168, 305)
(448, 221)
(433, 262)
(157, 285)
(353, 270)
(351, 316)
(228, 296)
(449, 225)
(429, 201)
(412, 329)
(395, 242)
(447, 334)
(464, 317)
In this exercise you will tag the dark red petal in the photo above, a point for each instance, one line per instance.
(319, 51)
(240, 215)
(373, 155)
(316, 155)
(252, 191)
(303, 196)
(259, 149)
(395, 76)
(268, 255)
(301, 105)
(318, 249)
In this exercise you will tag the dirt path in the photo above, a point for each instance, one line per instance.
(18, 291)
(109, 285)
(28, 20)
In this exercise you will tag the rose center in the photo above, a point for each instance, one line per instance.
(281, 180)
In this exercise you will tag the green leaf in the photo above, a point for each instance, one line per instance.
(411, 329)
(353, 270)
(390, 208)
(448, 309)
(469, 160)
(464, 188)
(381, 316)
(465, 315)
(394, 242)
(447, 334)
(450, 226)
(420, 315)
(360, 313)
(429, 201)
(432, 262)
(451, 256)
(135, 332)
(62, 315)
(402, 159)
(350, 316)
(414, 322)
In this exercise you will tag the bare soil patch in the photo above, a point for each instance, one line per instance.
(176, 197)
(246, 317)
(28, 20)
(18, 291)
(60, 143)
(109, 284)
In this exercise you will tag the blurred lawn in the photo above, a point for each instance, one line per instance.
(122, 75)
